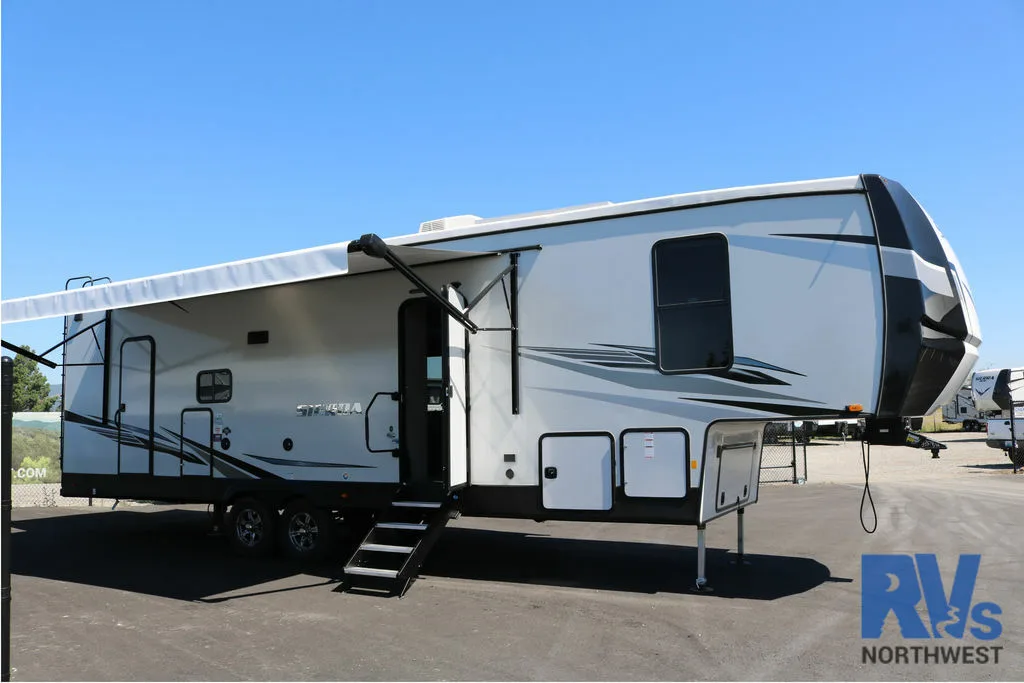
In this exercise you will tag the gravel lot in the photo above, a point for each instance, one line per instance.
(143, 593)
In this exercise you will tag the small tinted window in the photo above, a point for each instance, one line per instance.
(213, 386)
(693, 315)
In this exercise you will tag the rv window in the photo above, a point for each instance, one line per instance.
(434, 368)
(963, 410)
(693, 316)
(213, 386)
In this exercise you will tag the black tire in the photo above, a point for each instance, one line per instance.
(251, 526)
(306, 533)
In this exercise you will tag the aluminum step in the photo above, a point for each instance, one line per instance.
(385, 548)
(414, 504)
(405, 526)
(372, 571)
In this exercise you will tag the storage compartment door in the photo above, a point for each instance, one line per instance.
(735, 465)
(654, 463)
(576, 471)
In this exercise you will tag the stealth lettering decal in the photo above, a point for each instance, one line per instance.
(328, 409)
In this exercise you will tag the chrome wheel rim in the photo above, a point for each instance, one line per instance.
(249, 528)
(303, 531)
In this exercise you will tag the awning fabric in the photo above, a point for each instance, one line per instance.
(332, 260)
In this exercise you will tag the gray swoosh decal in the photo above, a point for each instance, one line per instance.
(305, 463)
(750, 362)
(686, 384)
(676, 408)
(859, 256)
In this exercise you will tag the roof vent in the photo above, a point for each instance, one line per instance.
(449, 223)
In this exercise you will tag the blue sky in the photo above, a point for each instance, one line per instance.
(146, 137)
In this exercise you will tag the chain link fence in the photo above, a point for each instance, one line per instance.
(784, 453)
(35, 462)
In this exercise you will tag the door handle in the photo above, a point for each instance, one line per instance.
(550, 472)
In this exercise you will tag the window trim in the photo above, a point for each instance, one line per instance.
(231, 386)
(656, 307)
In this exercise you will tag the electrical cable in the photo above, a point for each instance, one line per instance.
(865, 456)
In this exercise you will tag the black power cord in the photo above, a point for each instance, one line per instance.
(865, 457)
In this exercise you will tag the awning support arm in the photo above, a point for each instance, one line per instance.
(81, 331)
(28, 354)
(39, 357)
(513, 314)
(373, 246)
(489, 287)
(512, 304)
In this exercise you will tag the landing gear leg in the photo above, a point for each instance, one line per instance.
(741, 558)
(702, 580)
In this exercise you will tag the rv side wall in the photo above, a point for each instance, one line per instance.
(589, 372)
(587, 330)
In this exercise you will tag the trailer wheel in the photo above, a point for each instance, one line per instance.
(250, 527)
(306, 532)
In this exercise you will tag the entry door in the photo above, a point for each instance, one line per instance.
(196, 442)
(456, 395)
(134, 413)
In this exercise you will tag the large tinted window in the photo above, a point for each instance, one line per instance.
(693, 318)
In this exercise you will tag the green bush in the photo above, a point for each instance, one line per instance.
(36, 449)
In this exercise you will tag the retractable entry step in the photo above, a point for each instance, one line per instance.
(393, 550)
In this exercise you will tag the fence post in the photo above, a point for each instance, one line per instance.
(6, 423)
(805, 463)
(792, 431)
(1013, 434)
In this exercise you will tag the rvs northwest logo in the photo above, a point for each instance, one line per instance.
(897, 584)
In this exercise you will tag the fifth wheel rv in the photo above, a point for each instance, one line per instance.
(1002, 391)
(962, 411)
(615, 362)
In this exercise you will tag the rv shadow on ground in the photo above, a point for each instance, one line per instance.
(990, 466)
(169, 553)
(625, 566)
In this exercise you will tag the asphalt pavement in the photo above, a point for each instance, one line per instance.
(144, 593)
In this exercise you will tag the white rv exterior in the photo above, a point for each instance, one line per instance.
(623, 368)
(1002, 391)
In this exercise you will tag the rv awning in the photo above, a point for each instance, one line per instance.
(333, 260)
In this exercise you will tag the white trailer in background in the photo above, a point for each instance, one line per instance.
(1002, 391)
(962, 411)
(608, 363)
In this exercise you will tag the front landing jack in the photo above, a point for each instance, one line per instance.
(702, 580)
(741, 558)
